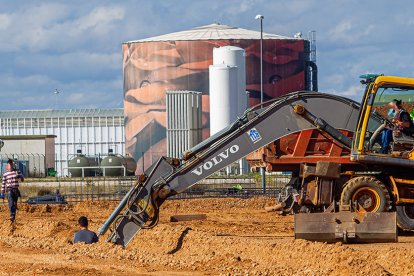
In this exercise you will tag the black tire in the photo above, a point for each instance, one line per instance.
(369, 192)
(405, 217)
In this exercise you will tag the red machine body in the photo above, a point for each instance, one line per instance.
(306, 146)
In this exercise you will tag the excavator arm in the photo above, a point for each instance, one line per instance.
(258, 127)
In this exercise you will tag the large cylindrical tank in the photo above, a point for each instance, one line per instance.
(113, 160)
(223, 96)
(234, 56)
(82, 161)
(181, 60)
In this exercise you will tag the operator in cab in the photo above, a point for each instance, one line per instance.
(402, 125)
(403, 120)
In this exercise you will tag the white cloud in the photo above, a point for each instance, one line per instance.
(4, 21)
(57, 27)
(10, 81)
(87, 93)
(354, 91)
(76, 98)
(348, 31)
(98, 19)
(342, 28)
(240, 7)
(37, 92)
(298, 7)
(75, 46)
(86, 64)
(337, 79)
(26, 92)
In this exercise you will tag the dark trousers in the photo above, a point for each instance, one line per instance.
(12, 197)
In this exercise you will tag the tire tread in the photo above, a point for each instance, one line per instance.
(353, 184)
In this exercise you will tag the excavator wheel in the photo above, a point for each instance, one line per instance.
(405, 217)
(369, 193)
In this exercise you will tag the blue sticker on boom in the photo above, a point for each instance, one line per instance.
(254, 135)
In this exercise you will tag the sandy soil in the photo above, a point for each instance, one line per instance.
(238, 238)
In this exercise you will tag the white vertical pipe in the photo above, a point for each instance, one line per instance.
(234, 56)
(223, 96)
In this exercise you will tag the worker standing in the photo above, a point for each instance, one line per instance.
(10, 185)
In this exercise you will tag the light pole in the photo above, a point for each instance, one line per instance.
(261, 17)
(56, 97)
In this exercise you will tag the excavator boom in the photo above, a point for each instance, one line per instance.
(258, 127)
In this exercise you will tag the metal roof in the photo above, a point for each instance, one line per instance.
(213, 32)
(52, 113)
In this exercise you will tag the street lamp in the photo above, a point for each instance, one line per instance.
(261, 17)
(56, 97)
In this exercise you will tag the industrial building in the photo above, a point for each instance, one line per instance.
(180, 61)
(93, 131)
(35, 153)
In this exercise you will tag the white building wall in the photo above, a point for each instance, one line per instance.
(93, 133)
(32, 150)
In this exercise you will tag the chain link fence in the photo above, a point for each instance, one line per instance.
(115, 188)
(31, 165)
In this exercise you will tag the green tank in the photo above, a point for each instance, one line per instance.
(118, 160)
(80, 161)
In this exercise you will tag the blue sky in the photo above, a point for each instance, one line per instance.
(75, 46)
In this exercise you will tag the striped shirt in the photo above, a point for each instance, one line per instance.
(10, 180)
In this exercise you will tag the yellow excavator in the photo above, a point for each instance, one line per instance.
(360, 200)
(380, 185)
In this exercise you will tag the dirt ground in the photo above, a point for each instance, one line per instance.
(238, 238)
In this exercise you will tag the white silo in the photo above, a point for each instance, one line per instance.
(223, 96)
(234, 56)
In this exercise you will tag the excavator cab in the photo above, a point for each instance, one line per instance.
(377, 195)
(379, 135)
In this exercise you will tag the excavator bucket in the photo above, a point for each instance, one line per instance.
(346, 226)
(135, 210)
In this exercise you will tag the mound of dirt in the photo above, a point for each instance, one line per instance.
(238, 238)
